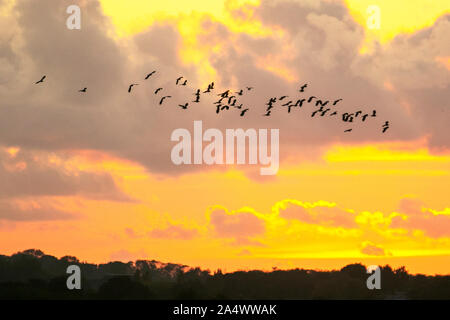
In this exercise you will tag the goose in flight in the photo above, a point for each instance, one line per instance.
(131, 86)
(336, 102)
(179, 79)
(158, 90)
(150, 74)
(83, 90)
(184, 106)
(164, 98)
(42, 80)
(243, 112)
(302, 88)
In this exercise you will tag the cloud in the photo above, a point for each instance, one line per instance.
(36, 174)
(322, 213)
(32, 211)
(372, 250)
(415, 216)
(316, 42)
(240, 226)
(174, 232)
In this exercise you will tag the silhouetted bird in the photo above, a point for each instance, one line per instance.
(42, 80)
(218, 108)
(336, 102)
(178, 80)
(225, 107)
(374, 113)
(299, 103)
(164, 98)
(83, 90)
(184, 106)
(333, 114)
(325, 111)
(158, 90)
(240, 93)
(323, 104)
(357, 113)
(286, 104)
(311, 98)
(268, 113)
(249, 88)
(197, 99)
(239, 107)
(365, 116)
(243, 112)
(282, 98)
(230, 99)
(184, 83)
(302, 89)
(131, 86)
(224, 94)
(150, 74)
(348, 130)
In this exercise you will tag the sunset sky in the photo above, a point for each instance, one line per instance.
(90, 175)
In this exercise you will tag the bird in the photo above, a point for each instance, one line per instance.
(374, 113)
(287, 104)
(158, 90)
(131, 86)
(243, 112)
(83, 90)
(197, 93)
(164, 98)
(384, 129)
(42, 80)
(184, 106)
(218, 108)
(224, 94)
(333, 114)
(314, 113)
(240, 93)
(311, 98)
(323, 104)
(178, 80)
(299, 103)
(197, 100)
(249, 88)
(348, 130)
(358, 113)
(150, 74)
(184, 83)
(225, 107)
(365, 116)
(267, 114)
(336, 102)
(325, 111)
(282, 98)
(302, 88)
(239, 107)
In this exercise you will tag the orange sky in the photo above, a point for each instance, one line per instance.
(376, 202)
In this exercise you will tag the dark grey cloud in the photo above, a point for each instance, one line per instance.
(320, 46)
(10, 211)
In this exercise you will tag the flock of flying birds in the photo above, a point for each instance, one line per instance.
(229, 100)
